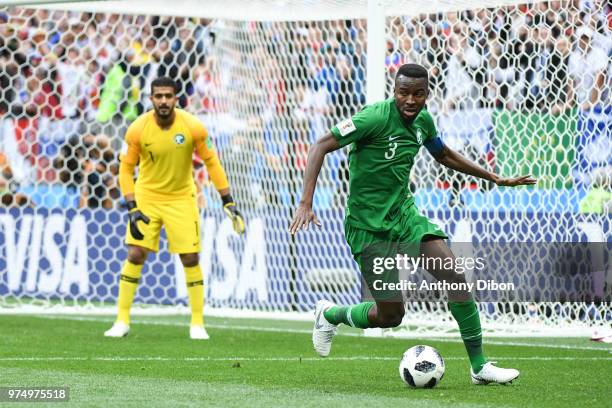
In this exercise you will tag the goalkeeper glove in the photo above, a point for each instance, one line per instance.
(229, 206)
(135, 215)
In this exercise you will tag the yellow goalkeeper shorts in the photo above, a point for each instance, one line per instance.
(181, 219)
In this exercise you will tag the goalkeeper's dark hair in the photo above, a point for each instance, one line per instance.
(165, 82)
(413, 71)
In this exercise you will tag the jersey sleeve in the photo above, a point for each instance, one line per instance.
(433, 143)
(201, 141)
(206, 150)
(130, 150)
(429, 126)
(359, 127)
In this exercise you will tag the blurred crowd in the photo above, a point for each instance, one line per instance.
(549, 56)
(72, 82)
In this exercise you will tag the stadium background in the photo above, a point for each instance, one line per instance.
(511, 88)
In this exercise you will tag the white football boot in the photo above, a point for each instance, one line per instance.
(198, 333)
(493, 374)
(119, 329)
(323, 331)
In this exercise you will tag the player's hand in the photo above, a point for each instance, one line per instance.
(229, 206)
(302, 218)
(514, 181)
(134, 216)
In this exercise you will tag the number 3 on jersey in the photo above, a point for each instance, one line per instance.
(389, 154)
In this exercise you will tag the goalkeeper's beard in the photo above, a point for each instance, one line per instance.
(164, 116)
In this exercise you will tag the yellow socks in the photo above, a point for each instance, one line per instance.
(128, 283)
(195, 290)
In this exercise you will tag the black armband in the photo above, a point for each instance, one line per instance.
(434, 145)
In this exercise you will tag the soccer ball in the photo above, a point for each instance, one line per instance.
(421, 367)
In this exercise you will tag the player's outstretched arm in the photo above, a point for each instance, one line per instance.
(456, 161)
(304, 215)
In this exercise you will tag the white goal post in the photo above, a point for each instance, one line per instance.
(520, 87)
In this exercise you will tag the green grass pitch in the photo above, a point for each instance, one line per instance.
(271, 363)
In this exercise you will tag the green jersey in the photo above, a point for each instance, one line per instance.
(381, 158)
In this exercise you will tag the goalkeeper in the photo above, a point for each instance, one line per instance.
(161, 142)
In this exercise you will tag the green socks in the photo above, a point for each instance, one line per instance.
(466, 315)
(354, 316)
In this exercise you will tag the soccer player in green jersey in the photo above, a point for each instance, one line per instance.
(385, 138)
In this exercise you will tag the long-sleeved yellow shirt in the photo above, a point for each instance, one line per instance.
(164, 158)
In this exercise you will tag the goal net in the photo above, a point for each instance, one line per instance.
(519, 88)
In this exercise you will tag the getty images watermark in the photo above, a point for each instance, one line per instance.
(490, 271)
(404, 262)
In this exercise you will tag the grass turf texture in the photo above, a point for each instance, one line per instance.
(259, 363)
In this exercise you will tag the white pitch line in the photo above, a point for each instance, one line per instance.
(282, 359)
(208, 325)
(308, 331)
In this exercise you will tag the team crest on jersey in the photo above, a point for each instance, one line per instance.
(179, 139)
(419, 135)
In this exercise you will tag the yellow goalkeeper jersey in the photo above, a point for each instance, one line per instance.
(164, 156)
